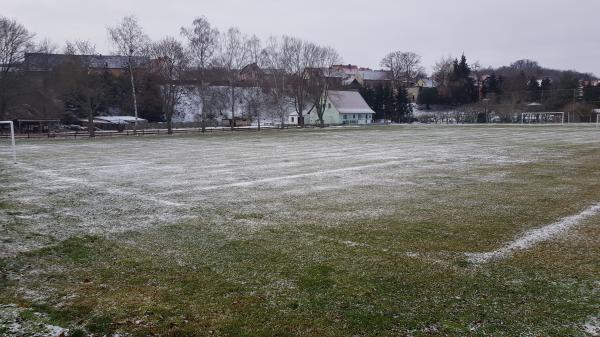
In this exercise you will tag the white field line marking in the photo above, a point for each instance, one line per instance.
(533, 237)
(295, 176)
(121, 192)
(107, 189)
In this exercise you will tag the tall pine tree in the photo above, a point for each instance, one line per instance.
(403, 106)
(462, 86)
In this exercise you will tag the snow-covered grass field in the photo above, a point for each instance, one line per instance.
(399, 231)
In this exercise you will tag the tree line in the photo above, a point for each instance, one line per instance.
(522, 86)
(204, 62)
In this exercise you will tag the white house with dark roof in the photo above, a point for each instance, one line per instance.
(343, 108)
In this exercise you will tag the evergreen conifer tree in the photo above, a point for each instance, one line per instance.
(403, 106)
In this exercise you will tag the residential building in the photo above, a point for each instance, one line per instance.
(116, 65)
(251, 73)
(343, 108)
(374, 78)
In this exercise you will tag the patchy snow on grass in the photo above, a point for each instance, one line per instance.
(592, 326)
(14, 323)
(62, 189)
(533, 237)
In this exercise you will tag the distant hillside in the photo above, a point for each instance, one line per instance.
(530, 68)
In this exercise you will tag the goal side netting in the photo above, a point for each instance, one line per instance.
(543, 118)
(8, 149)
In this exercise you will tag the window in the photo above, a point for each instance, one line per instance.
(353, 116)
(328, 105)
(345, 116)
(292, 119)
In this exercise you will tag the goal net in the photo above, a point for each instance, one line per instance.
(8, 150)
(543, 118)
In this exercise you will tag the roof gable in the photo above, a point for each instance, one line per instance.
(349, 102)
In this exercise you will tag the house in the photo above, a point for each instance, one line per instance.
(343, 108)
(374, 78)
(589, 83)
(415, 89)
(127, 120)
(252, 76)
(251, 73)
(36, 125)
(113, 122)
(348, 69)
(114, 64)
(425, 83)
(334, 78)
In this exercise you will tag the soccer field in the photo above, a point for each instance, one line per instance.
(385, 231)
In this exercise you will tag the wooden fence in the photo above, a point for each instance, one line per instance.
(141, 132)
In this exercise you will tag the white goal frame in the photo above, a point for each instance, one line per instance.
(539, 115)
(12, 137)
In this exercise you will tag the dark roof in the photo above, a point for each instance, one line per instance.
(376, 75)
(46, 62)
(253, 67)
(349, 102)
(250, 67)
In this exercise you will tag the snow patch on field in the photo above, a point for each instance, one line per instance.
(12, 323)
(592, 326)
(533, 237)
(62, 189)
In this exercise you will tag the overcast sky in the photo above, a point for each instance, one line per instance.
(557, 33)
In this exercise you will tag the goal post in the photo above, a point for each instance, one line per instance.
(12, 138)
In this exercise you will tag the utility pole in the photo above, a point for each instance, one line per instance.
(574, 101)
(135, 108)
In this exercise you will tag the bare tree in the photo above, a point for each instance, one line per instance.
(254, 100)
(405, 67)
(203, 42)
(170, 66)
(15, 40)
(216, 102)
(83, 89)
(295, 59)
(46, 46)
(300, 56)
(254, 45)
(233, 56)
(80, 47)
(297, 75)
(476, 70)
(276, 59)
(325, 57)
(129, 39)
(442, 70)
